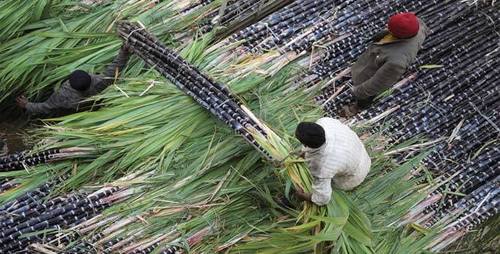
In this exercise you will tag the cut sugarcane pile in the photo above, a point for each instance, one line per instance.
(222, 18)
(304, 24)
(342, 54)
(296, 26)
(458, 96)
(368, 21)
(35, 217)
(234, 10)
(196, 5)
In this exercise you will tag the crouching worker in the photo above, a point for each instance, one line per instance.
(79, 86)
(385, 61)
(335, 155)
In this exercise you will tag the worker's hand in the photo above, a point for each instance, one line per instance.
(300, 154)
(21, 101)
(302, 195)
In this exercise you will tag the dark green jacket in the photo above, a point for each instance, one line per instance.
(383, 64)
(66, 99)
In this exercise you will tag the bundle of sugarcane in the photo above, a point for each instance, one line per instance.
(283, 36)
(435, 126)
(223, 18)
(211, 95)
(125, 236)
(25, 159)
(298, 23)
(31, 196)
(480, 129)
(31, 219)
(104, 235)
(174, 247)
(191, 241)
(458, 174)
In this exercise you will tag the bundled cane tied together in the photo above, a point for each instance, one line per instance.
(211, 95)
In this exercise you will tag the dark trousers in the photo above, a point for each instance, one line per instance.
(365, 103)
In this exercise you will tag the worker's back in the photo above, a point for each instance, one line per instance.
(344, 157)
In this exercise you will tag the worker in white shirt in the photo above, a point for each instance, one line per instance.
(335, 154)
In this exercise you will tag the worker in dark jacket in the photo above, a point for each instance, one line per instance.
(386, 60)
(79, 86)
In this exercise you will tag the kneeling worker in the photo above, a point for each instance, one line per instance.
(334, 153)
(385, 60)
(79, 86)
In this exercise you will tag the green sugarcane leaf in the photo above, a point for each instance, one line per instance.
(357, 234)
(430, 66)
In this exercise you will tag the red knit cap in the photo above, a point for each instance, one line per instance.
(404, 25)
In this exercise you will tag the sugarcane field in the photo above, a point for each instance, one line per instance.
(249, 126)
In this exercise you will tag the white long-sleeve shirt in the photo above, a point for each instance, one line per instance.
(342, 158)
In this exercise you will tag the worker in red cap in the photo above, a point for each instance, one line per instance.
(385, 60)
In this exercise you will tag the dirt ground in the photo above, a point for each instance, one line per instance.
(13, 134)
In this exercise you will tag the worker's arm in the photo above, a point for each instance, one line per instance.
(40, 108)
(114, 69)
(322, 191)
(385, 77)
(424, 28)
(44, 108)
(303, 196)
(64, 98)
